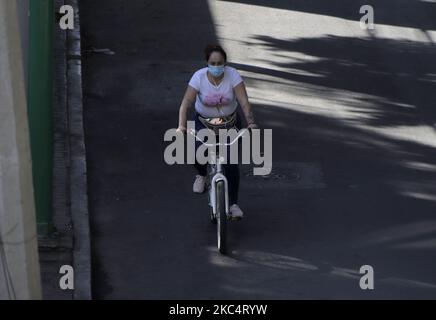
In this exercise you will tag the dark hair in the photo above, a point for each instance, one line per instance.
(210, 48)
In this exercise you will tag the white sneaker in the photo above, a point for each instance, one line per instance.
(199, 184)
(236, 212)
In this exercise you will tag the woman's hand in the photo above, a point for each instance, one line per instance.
(253, 126)
(181, 129)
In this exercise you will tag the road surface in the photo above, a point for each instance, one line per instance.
(354, 150)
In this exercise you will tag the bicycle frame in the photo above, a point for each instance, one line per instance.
(218, 176)
(216, 164)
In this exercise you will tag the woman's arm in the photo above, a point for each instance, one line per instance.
(241, 95)
(187, 101)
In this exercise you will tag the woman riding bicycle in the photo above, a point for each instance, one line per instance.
(216, 91)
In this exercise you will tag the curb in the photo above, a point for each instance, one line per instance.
(78, 173)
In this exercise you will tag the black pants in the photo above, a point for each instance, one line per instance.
(231, 170)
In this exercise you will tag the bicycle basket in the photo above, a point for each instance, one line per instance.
(218, 123)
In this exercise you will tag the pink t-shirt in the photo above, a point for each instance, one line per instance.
(216, 101)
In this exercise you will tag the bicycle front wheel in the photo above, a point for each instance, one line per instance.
(221, 217)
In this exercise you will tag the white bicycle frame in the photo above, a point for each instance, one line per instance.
(218, 176)
(218, 172)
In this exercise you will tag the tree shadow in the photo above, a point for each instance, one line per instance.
(377, 208)
(387, 12)
(393, 82)
(380, 197)
(143, 212)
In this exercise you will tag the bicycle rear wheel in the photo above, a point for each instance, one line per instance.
(221, 217)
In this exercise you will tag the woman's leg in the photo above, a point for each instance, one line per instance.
(232, 175)
(232, 171)
(201, 169)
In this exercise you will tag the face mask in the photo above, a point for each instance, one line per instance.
(216, 71)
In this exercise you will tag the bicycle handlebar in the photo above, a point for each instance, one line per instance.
(240, 134)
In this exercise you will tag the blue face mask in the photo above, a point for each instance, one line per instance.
(216, 71)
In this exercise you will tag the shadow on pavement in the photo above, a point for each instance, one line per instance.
(403, 13)
(151, 236)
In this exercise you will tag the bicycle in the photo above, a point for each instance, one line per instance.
(217, 187)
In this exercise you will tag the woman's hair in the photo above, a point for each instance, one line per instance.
(210, 48)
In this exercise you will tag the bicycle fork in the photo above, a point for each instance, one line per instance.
(218, 176)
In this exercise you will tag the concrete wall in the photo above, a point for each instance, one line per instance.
(19, 264)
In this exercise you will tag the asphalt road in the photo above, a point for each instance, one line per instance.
(354, 150)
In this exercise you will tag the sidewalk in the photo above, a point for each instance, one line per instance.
(69, 244)
(57, 250)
